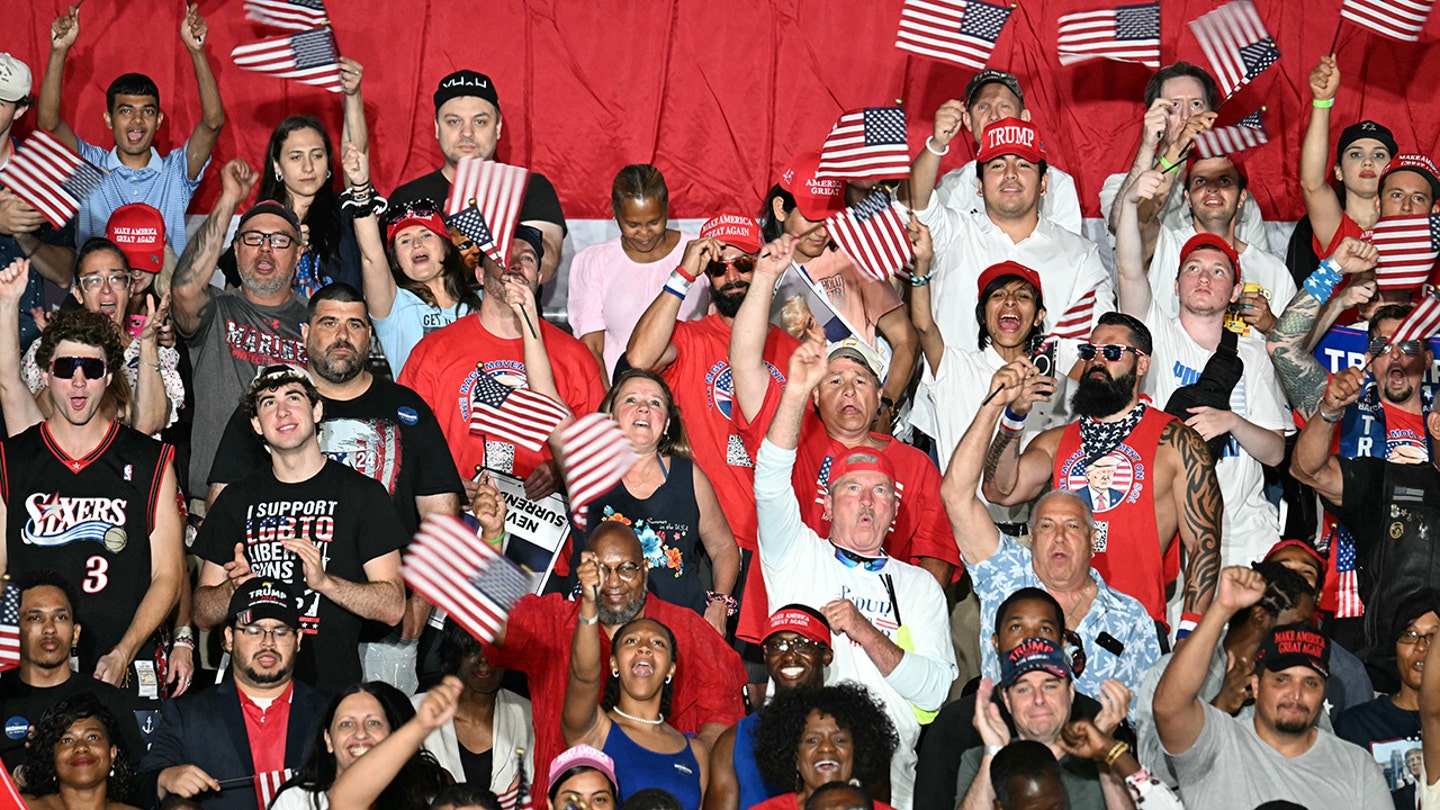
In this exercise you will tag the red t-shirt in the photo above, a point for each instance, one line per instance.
(266, 729)
(791, 801)
(709, 677)
(443, 368)
(705, 394)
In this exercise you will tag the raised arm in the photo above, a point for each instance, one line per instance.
(1130, 265)
(649, 345)
(63, 33)
(926, 167)
(190, 286)
(1321, 204)
(361, 787)
(152, 404)
(895, 327)
(581, 720)
(16, 401)
(748, 333)
(374, 265)
(720, 547)
(1152, 130)
(1199, 505)
(212, 110)
(1179, 710)
(1312, 463)
(927, 332)
(356, 130)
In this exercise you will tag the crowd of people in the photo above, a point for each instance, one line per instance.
(938, 557)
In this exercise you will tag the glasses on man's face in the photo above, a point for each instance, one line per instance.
(1110, 351)
(115, 281)
(1410, 638)
(279, 240)
(64, 367)
(718, 268)
(626, 571)
(1409, 348)
(278, 633)
(801, 646)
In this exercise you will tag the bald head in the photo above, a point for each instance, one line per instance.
(615, 535)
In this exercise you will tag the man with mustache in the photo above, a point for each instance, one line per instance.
(693, 357)
(1172, 490)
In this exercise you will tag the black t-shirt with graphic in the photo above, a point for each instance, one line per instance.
(346, 514)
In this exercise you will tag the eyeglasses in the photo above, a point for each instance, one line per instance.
(1409, 348)
(64, 367)
(742, 265)
(278, 240)
(1110, 351)
(801, 646)
(279, 633)
(626, 571)
(113, 281)
(1410, 638)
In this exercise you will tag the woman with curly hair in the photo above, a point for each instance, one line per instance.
(75, 761)
(811, 736)
(358, 719)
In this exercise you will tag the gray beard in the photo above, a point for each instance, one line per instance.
(614, 618)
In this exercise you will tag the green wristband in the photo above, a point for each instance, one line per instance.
(1323, 103)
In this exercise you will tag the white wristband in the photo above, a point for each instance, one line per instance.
(931, 149)
(678, 285)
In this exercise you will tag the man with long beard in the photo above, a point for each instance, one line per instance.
(1162, 465)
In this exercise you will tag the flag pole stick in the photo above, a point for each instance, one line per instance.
(1335, 40)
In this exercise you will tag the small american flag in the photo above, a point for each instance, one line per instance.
(1348, 589)
(309, 57)
(516, 415)
(596, 456)
(495, 190)
(1422, 323)
(1250, 132)
(1236, 43)
(1397, 19)
(518, 796)
(50, 178)
(267, 785)
(461, 574)
(296, 15)
(9, 627)
(872, 235)
(868, 143)
(1124, 34)
(959, 31)
(1074, 324)
(1408, 247)
(471, 223)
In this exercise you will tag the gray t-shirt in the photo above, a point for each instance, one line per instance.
(1229, 766)
(1081, 778)
(235, 339)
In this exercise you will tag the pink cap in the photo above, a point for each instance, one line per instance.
(817, 199)
(139, 231)
(582, 756)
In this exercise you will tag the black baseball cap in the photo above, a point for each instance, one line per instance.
(1294, 645)
(258, 598)
(1365, 129)
(466, 83)
(992, 76)
(269, 207)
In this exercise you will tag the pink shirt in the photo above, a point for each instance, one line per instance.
(609, 292)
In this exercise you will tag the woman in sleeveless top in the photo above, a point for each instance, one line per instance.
(668, 501)
(630, 727)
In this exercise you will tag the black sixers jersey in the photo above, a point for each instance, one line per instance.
(88, 519)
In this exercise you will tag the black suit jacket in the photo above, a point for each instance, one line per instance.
(207, 729)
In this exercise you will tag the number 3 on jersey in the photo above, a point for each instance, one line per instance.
(96, 574)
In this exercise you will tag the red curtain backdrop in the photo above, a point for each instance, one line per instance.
(718, 93)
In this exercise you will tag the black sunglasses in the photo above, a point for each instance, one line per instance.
(742, 265)
(1110, 351)
(64, 367)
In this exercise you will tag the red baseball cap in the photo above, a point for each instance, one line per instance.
(1011, 136)
(861, 460)
(1235, 160)
(816, 198)
(798, 620)
(1008, 268)
(1300, 544)
(139, 231)
(734, 230)
(1216, 242)
(1420, 164)
(416, 216)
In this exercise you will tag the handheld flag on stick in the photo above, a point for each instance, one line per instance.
(868, 143)
(461, 574)
(309, 57)
(1236, 43)
(1124, 34)
(962, 32)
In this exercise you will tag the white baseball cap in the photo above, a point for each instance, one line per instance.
(14, 78)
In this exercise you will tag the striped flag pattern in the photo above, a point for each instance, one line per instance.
(596, 455)
(1236, 43)
(516, 415)
(9, 794)
(1124, 34)
(518, 796)
(1221, 141)
(1074, 324)
(1422, 323)
(309, 57)
(1408, 247)
(296, 15)
(50, 178)
(9, 627)
(959, 31)
(872, 235)
(463, 575)
(1396, 19)
(496, 190)
(868, 143)
(1349, 604)
(268, 784)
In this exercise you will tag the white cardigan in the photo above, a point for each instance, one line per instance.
(513, 728)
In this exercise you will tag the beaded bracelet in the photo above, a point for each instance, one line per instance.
(732, 605)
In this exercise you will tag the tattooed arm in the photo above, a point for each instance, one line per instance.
(1198, 506)
(1312, 463)
(190, 287)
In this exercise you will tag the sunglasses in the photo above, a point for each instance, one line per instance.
(419, 210)
(801, 646)
(64, 367)
(1110, 351)
(1409, 348)
(742, 265)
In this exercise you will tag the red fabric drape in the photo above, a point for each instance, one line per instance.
(718, 93)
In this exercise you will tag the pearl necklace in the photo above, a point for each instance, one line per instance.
(657, 721)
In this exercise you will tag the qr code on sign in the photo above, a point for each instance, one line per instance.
(1102, 532)
(500, 456)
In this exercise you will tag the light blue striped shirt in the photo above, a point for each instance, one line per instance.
(164, 183)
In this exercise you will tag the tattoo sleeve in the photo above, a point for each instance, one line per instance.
(1200, 513)
(999, 449)
(1300, 374)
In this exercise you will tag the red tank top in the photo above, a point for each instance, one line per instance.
(1120, 489)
